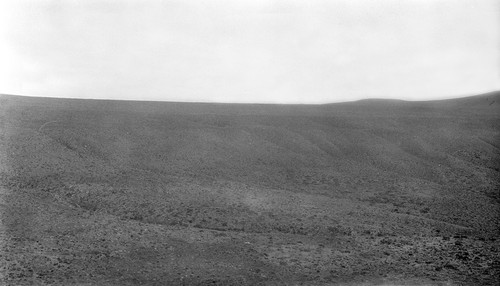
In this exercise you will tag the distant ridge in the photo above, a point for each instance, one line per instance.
(489, 97)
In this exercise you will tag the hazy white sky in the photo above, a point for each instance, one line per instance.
(250, 51)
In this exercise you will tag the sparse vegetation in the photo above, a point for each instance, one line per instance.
(129, 193)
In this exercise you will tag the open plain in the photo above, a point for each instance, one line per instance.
(101, 192)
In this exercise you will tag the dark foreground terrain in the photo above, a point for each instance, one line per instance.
(147, 193)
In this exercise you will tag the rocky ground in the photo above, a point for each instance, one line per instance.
(134, 193)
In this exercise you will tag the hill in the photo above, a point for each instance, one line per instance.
(125, 192)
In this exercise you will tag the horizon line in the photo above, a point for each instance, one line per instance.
(255, 103)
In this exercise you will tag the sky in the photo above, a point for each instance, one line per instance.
(267, 51)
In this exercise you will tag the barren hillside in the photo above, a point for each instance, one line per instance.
(155, 193)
